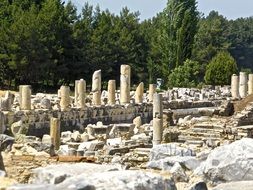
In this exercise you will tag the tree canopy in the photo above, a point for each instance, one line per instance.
(47, 43)
(220, 69)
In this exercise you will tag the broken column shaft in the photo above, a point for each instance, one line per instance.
(243, 84)
(157, 119)
(125, 82)
(65, 97)
(96, 88)
(250, 84)
(55, 132)
(151, 92)
(139, 93)
(235, 86)
(80, 91)
(111, 92)
(25, 97)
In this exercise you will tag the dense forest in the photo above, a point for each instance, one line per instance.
(47, 43)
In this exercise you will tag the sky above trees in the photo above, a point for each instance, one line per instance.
(231, 9)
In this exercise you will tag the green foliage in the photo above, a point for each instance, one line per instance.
(47, 43)
(211, 37)
(178, 27)
(240, 35)
(246, 70)
(220, 69)
(186, 75)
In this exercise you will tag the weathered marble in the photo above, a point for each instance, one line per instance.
(25, 97)
(65, 98)
(80, 91)
(125, 82)
(111, 92)
(139, 93)
(235, 86)
(96, 88)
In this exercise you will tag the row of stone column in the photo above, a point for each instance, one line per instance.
(241, 85)
(80, 91)
(157, 123)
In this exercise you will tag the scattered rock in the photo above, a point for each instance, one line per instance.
(245, 185)
(178, 173)
(171, 149)
(231, 162)
(55, 174)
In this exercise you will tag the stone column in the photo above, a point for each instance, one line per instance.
(235, 86)
(65, 97)
(80, 91)
(139, 93)
(76, 91)
(125, 82)
(157, 119)
(250, 84)
(25, 97)
(243, 84)
(55, 132)
(151, 92)
(2, 123)
(96, 88)
(111, 92)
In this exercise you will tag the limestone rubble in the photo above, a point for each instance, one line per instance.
(175, 139)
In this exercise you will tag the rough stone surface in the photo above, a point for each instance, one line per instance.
(171, 149)
(189, 162)
(245, 185)
(31, 187)
(178, 173)
(55, 174)
(231, 162)
(123, 180)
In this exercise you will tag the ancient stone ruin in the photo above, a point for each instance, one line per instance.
(125, 138)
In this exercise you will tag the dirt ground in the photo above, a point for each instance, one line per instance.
(241, 104)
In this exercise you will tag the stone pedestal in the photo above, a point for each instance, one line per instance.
(235, 86)
(55, 132)
(25, 97)
(125, 82)
(111, 92)
(157, 119)
(80, 91)
(250, 84)
(139, 93)
(243, 84)
(96, 88)
(65, 97)
(151, 92)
